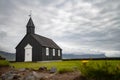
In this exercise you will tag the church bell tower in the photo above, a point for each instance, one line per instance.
(30, 27)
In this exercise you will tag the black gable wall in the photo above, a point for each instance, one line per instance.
(36, 50)
(20, 55)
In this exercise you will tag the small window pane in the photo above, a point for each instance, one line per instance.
(53, 52)
(58, 52)
(47, 51)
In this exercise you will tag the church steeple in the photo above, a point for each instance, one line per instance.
(30, 27)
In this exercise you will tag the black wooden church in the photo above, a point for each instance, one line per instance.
(34, 47)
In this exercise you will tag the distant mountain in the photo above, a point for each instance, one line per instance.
(11, 56)
(80, 56)
(8, 56)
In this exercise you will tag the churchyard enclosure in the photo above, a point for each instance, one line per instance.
(92, 69)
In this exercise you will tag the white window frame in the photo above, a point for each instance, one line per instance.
(53, 52)
(47, 51)
(59, 53)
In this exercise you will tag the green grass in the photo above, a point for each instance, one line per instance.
(4, 63)
(92, 69)
(59, 64)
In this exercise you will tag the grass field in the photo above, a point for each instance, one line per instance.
(92, 69)
(4, 63)
(66, 64)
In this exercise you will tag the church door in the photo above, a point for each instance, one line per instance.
(28, 52)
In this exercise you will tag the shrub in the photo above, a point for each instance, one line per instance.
(104, 71)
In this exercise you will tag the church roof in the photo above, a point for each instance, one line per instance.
(45, 41)
(30, 23)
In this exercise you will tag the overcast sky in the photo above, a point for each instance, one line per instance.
(77, 26)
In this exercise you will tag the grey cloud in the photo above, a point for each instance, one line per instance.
(2, 35)
(91, 23)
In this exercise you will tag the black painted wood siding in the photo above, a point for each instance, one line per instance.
(38, 51)
(50, 56)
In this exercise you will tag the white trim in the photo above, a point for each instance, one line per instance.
(47, 51)
(28, 52)
(53, 52)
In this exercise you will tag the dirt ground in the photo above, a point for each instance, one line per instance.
(4, 69)
(65, 76)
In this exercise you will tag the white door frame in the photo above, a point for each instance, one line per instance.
(28, 53)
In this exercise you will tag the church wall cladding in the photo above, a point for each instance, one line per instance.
(36, 51)
(50, 55)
